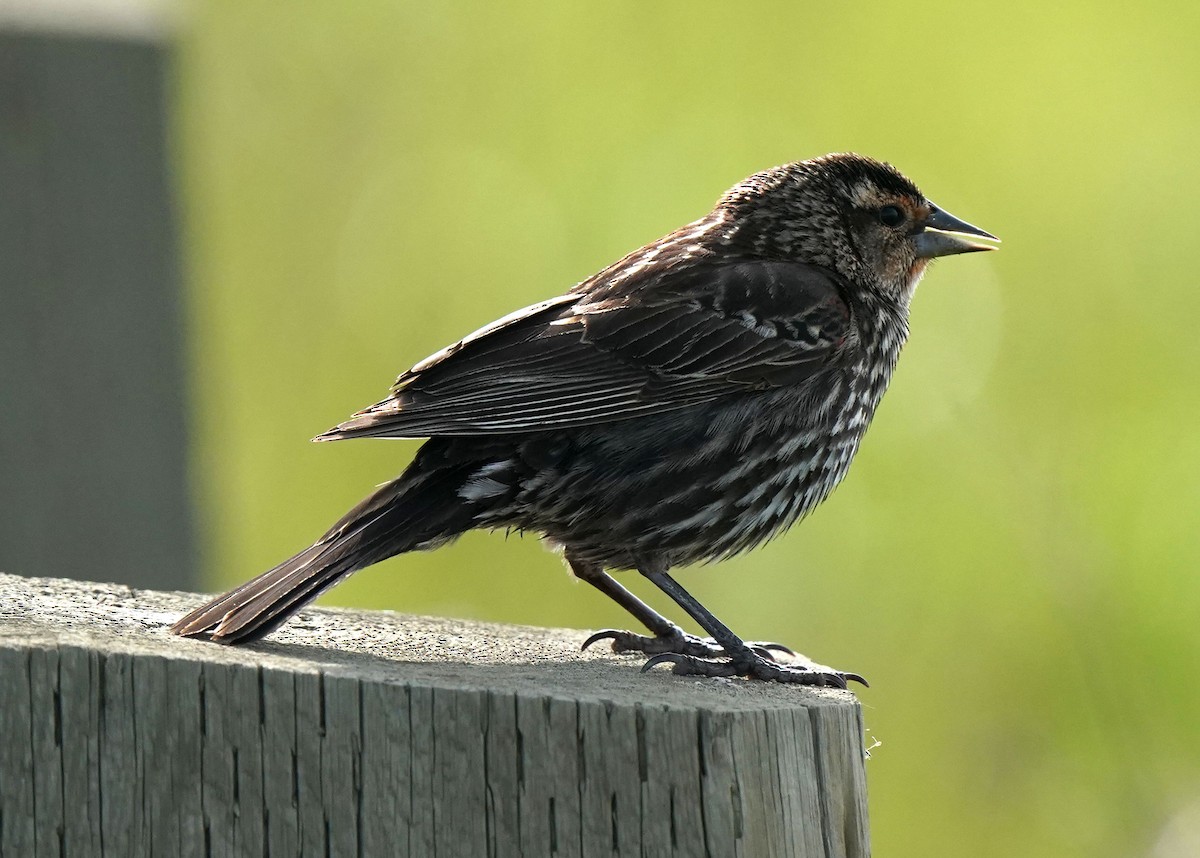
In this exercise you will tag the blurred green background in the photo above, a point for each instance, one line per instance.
(1012, 559)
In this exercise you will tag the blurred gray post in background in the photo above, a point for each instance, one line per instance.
(93, 384)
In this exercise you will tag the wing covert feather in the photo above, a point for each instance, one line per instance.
(689, 336)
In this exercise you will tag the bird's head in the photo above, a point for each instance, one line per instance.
(859, 217)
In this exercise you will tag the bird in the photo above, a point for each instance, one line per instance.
(683, 405)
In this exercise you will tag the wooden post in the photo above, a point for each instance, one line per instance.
(372, 733)
(93, 379)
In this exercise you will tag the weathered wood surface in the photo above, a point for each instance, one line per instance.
(371, 733)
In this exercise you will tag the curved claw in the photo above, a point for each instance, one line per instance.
(767, 651)
(834, 680)
(777, 647)
(854, 677)
(606, 634)
(661, 658)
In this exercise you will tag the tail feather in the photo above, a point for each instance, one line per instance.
(414, 511)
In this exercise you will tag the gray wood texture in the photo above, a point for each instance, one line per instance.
(93, 381)
(372, 733)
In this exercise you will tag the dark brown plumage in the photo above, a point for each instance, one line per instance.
(682, 405)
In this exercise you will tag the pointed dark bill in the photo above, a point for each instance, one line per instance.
(944, 235)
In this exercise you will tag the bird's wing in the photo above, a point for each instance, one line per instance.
(700, 333)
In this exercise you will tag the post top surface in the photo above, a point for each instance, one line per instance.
(380, 646)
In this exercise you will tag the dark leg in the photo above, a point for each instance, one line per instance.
(743, 660)
(668, 637)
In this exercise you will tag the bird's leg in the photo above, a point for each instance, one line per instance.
(740, 658)
(668, 637)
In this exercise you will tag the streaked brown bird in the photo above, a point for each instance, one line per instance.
(683, 405)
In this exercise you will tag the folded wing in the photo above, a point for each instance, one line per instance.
(690, 336)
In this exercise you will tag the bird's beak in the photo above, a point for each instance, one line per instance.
(944, 236)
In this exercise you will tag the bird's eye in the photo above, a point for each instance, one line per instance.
(891, 216)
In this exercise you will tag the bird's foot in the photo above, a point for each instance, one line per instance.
(678, 642)
(751, 664)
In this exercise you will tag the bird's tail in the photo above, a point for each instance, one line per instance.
(420, 509)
